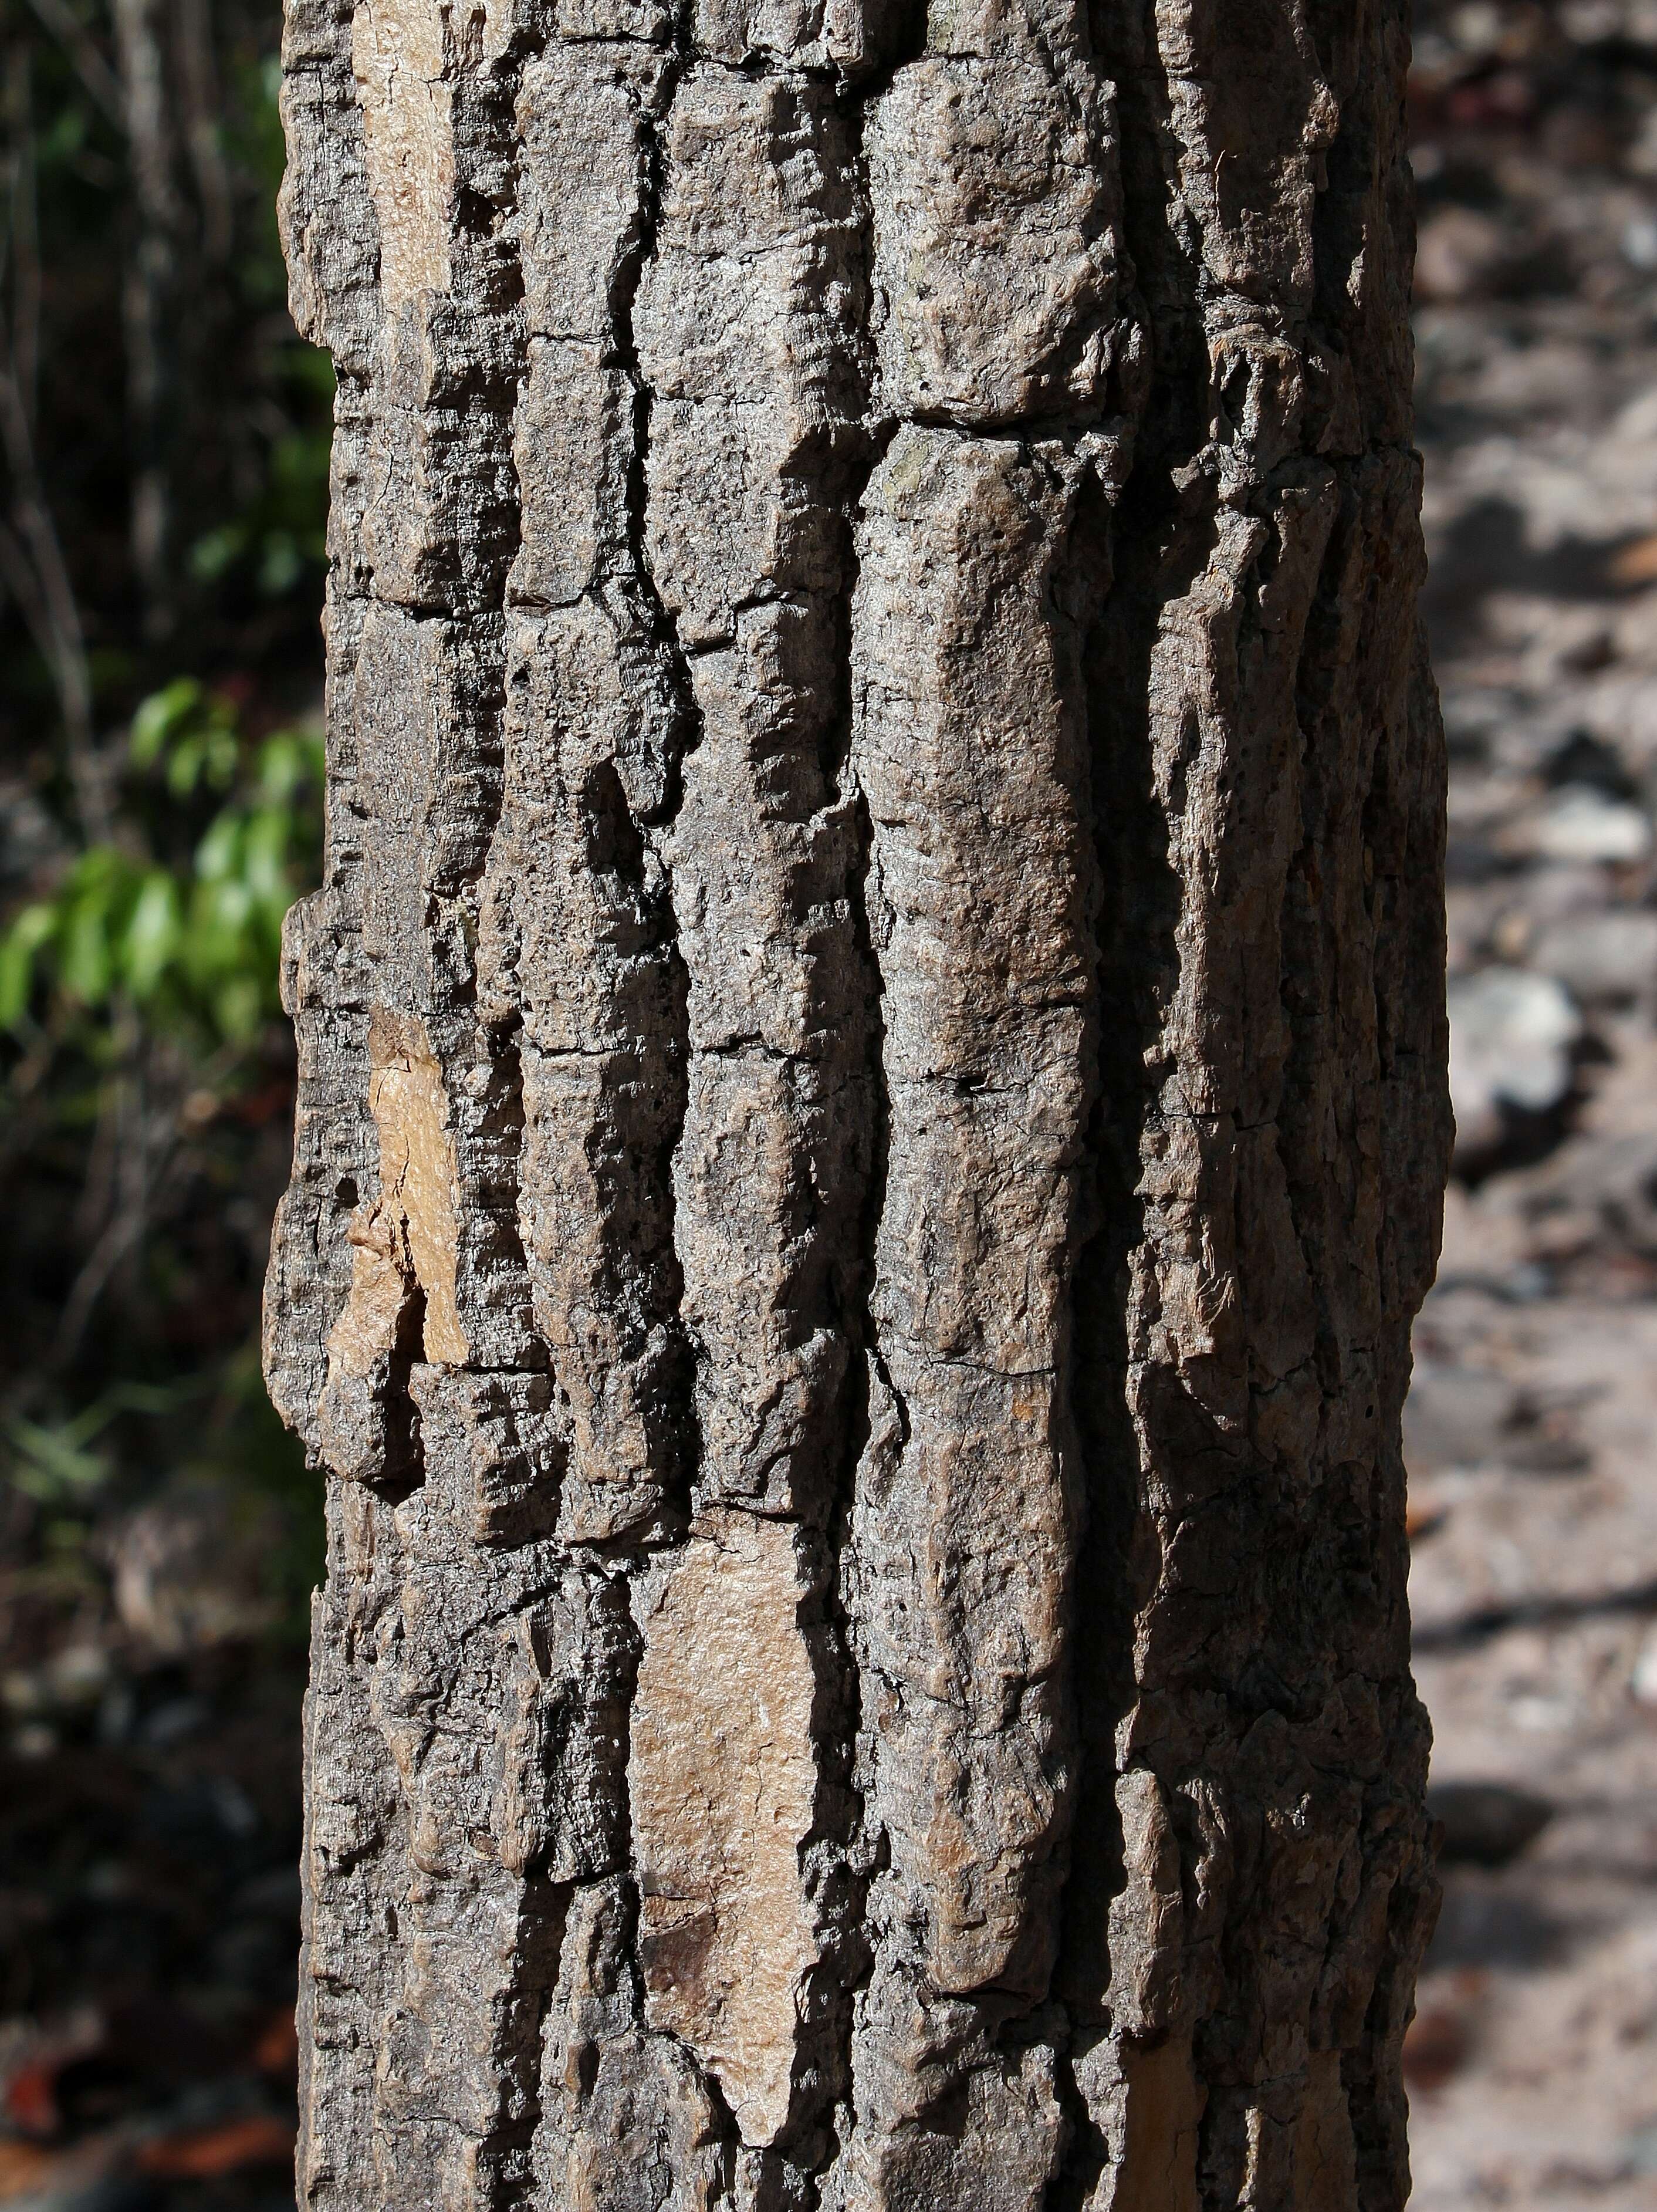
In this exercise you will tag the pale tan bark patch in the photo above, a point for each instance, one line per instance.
(1163, 2110)
(724, 1778)
(417, 1169)
(368, 1327)
(397, 59)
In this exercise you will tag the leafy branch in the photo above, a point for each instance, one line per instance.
(191, 945)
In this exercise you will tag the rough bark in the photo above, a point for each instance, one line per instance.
(872, 1106)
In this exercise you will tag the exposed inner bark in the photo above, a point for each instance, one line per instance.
(872, 1109)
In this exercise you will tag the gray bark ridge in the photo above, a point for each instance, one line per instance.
(871, 1109)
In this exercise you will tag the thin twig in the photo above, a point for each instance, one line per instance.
(147, 297)
(38, 580)
(146, 1152)
(24, 240)
(203, 104)
(31, 553)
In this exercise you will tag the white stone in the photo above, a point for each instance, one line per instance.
(1511, 1035)
(1582, 823)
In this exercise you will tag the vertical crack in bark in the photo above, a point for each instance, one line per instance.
(578, 941)
(581, 938)
(662, 627)
(855, 1957)
(748, 323)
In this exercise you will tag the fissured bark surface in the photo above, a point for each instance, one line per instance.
(873, 1106)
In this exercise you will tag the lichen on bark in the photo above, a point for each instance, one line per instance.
(871, 1109)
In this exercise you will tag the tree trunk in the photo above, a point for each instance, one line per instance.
(873, 1107)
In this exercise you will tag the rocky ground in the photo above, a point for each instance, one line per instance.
(1533, 1422)
(148, 1908)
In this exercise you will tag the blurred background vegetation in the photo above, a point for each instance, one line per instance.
(163, 471)
(164, 443)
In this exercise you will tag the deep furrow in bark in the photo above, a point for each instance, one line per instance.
(749, 318)
(581, 948)
(477, 1598)
(578, 934)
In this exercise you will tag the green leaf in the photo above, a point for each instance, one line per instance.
(223, 753)
(86, 960)
(217, 551)
(283, 766)
(184, 765)
(289, 761)
(218, 855)
(238, 1006)
(160, 715)
(85, 968)
(53, 1465)
(154, 935)
(232, 905)
(196, 948)
(264, 859)
(32, 930)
